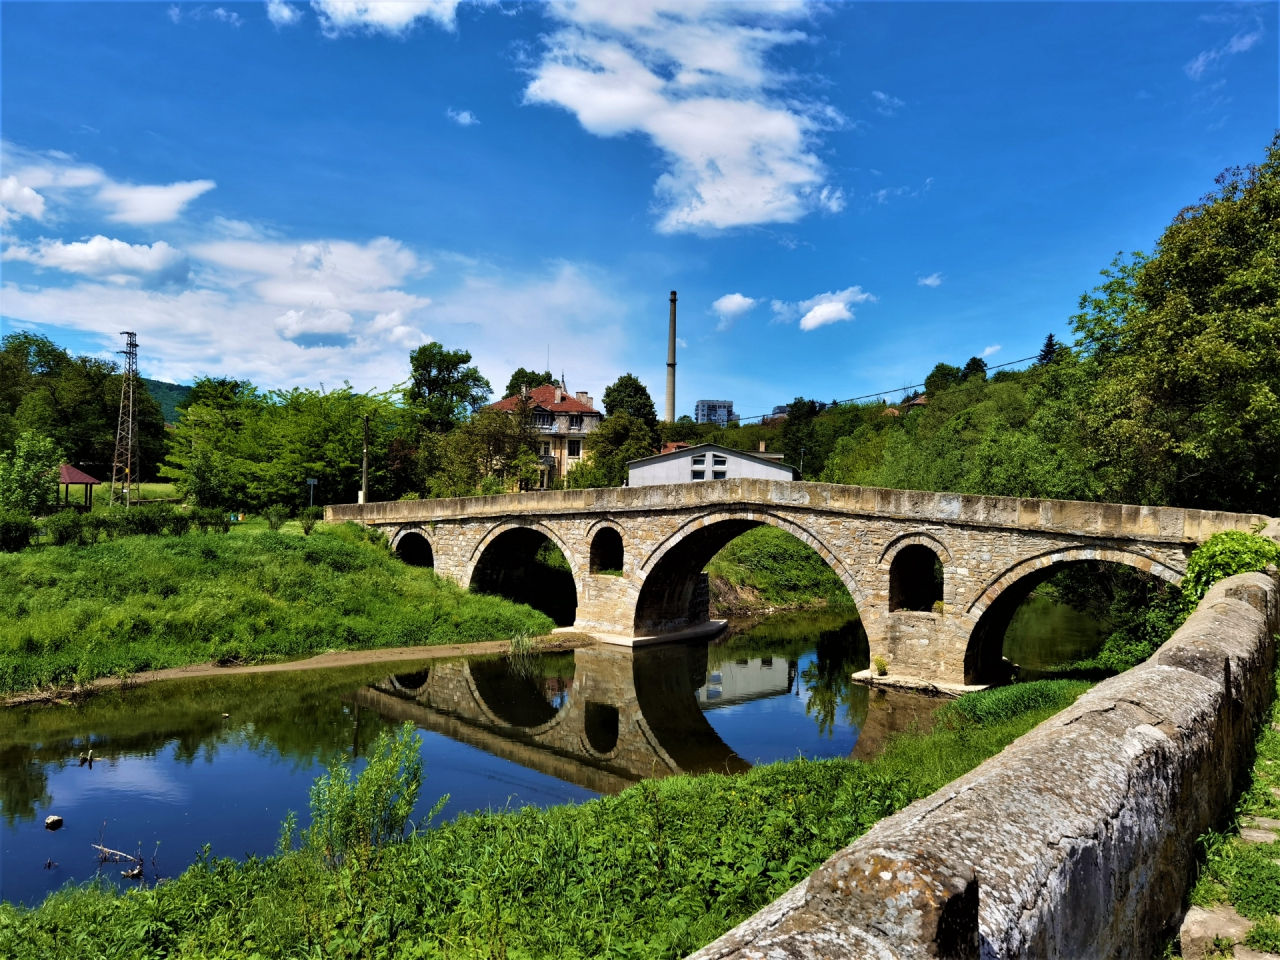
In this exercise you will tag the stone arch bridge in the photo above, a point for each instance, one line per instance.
(936, 576)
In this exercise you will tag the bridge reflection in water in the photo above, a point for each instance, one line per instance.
(605, 717)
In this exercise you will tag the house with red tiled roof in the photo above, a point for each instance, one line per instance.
(563, 421)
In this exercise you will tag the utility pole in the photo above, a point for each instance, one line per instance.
(364, 482)
(125, 467)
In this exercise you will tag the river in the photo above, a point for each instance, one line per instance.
(221, 760)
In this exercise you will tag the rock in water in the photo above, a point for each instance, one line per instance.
(52, 822)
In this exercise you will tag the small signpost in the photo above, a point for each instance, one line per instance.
(311, 484)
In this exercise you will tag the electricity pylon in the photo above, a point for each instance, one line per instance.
(125, 469)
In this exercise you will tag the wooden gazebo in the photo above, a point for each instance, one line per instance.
(69, 476)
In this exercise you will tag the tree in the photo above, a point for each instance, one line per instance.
(1185, 349)
(29, 475)
(1048, 352)
(527, 378)
(75, 401)
(797, 437)
(627, 394)
(943, 377)
(444, 388)
(620, 438)
(975, 367)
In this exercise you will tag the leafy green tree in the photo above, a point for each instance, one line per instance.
(527, 378)
(1186, 348)
(798, 437)
(943, 377)
(975, 367)
(29, 475)
(444, 387)
(628, 395)
(620, 438)
(75, 401)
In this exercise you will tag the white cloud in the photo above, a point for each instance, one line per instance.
(988, 351)
(885, 103)
(282, 14)
(18, 201)
(147, 204)
(823, 309)
(693, 78)
(67, 182)
(463, 118)
(175, 14)
(730, 307)
(226, 16)
(114, 260)
(1241, 42)
(932, 280)
(382, 16)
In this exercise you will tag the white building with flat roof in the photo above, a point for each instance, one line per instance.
(713, 411)
(705, 461)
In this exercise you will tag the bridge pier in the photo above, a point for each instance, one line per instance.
(935, 576)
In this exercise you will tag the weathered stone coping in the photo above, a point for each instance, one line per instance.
(1174, 524)
(1077, 841)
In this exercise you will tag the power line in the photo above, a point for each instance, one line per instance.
(881, 393)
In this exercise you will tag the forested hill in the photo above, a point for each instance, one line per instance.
(168, 395)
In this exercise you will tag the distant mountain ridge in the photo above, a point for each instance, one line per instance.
(168, 395)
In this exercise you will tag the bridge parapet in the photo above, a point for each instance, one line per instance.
(1085, 518)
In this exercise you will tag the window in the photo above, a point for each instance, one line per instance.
(700, 461)
(717, 474)
(542, 419)
(575, 421)
(697, 474)
(575, 448)
(718, 461)
(544, 448)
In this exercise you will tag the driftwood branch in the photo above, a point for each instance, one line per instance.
(107, 855)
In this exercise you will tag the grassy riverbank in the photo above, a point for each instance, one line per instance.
(657, 871)
(72, 614)
(767, 568)
(1240, 871)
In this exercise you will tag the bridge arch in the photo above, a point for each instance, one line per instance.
(413, 546)
(991, 611)
(505, 562)
(673, 595)
(608, 546)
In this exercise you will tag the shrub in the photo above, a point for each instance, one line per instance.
(101, 524)
(210, 520)
(1224, 555)
(29, 475)
(149, 520)
(65, 527)
(881, 665)
(179, 523)
(351, 819)
(309, 517)
(16, 530)
(276, 515)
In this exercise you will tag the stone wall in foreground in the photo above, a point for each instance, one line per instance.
(1078, 840)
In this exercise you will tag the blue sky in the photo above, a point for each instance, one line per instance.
(843, 194)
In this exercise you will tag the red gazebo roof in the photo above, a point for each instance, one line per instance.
(70, 474)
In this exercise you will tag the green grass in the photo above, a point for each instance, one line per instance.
(768, 567)
(73, 614)
(656, 871)
(1247, 875)
(145, 491)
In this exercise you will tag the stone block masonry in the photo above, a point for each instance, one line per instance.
(992, 550)
(1078, 841)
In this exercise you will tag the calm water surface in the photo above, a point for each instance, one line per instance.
(172, 773)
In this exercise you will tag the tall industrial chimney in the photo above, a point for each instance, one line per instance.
(671, 364)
